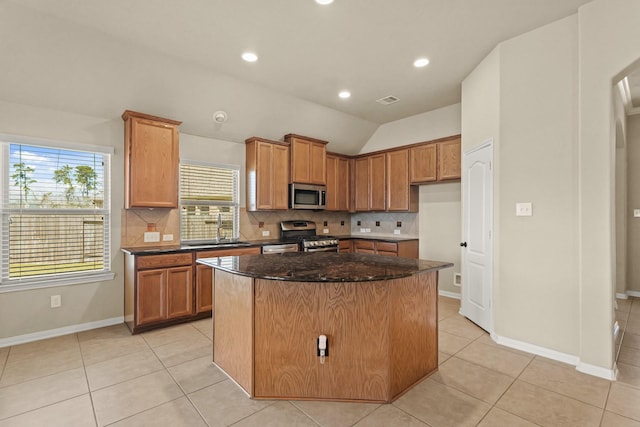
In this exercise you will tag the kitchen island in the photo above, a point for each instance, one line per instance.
(379, 315)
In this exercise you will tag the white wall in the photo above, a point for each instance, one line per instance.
(633, 187)
(621, 194)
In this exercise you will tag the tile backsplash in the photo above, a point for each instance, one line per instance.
(384, 224)
(338, 223)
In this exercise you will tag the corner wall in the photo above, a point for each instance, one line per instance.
(633, 202)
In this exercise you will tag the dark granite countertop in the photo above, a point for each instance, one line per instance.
(323, 266)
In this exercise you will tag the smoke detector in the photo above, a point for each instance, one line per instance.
(387, 100)
(220, 116)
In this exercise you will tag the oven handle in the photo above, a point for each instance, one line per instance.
(326, 249)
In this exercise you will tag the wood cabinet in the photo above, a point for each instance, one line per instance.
(344, 246)
(436, 161)
(267, 183)
(158, 289)
(369, 176)
(404, 248)
(338, 183)
(204, 275)
(401, 196)
(308, 159)
(151, 161)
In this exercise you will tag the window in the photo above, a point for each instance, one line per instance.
(209, 202)
(55, 214)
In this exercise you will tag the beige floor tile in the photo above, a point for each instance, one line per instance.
(443, 357)
(277, 415)
(631, 340)
(131, 397)
(495, 358)
(633, 326)
(231, 404)
(499, 418)
(621, 315)
(75, 412)
(458, 325)
(205, 326)
(164, 336)
(389, 415)
(336, 414)
(566, 380)
(181, 351)
(442, 406)
(547, 408)
(447, 310)
(477, 381)
(19, 398)
(4, 353)
(628, 355)
(629, 375)
(107, 343)
(624, 400)
(177, 413)
(37, 348)
(196, 374)
(624, 305)
(451, 344)
(614, 420)
(123, 368)
(37, 365)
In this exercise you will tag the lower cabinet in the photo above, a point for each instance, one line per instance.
(405, 248)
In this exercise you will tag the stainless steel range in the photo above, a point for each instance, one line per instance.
(304, 232)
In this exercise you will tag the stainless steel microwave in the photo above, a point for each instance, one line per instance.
(305, 196)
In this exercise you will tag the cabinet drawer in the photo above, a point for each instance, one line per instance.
(158, 261)
(387, 247)
(364, 244)
(227, 252)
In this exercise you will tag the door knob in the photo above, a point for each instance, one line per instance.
(463, 244)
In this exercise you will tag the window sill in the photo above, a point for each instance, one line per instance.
(42, 283)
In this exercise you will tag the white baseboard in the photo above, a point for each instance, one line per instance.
(597, 371)
(634, 294)
(450, 294)
(36, 336)
(622, 296)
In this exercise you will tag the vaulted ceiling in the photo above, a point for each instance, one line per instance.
(181, 59)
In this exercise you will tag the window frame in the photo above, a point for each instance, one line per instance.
(56, 279)
(234, 203)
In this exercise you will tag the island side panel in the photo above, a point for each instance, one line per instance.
(414, 329)
(356, 322)
(287, 323)
(233, 327)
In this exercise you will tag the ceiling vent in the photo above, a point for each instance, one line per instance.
(387, 100)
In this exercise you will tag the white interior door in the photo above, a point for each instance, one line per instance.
(477, 229)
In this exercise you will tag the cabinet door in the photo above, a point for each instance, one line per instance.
(300, 157)
(343, 184)
(280, 188)
(204, 288)
(179, 292)
(377, 182)
(344, 246)
(423, 163)
(152, 164)
(332, 183)
(398, 188)
(151, 296)
(361, 166)
(264, 175)
(449, 159)
(318, 163)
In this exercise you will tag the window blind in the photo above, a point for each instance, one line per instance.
(55, 213)
(208, 194)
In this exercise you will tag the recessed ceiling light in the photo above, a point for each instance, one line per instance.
(324, 1)
(250, 57)
(421, 62)
(344, 94)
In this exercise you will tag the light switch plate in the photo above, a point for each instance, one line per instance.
(636, 213)
(151, 236)
(524, 209)
(167, 237)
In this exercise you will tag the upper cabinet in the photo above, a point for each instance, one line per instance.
(435, 161)
(308, 159)
(338, 179)
(151, 161)
(401, 196)
(369, 176)
(267, 164)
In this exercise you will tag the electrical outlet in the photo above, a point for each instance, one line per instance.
(56, 301)
(325, 230)
(167, 237)
(524, 209)
(396, 231)
(266, 233)
(151, 236)
(636, 213)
